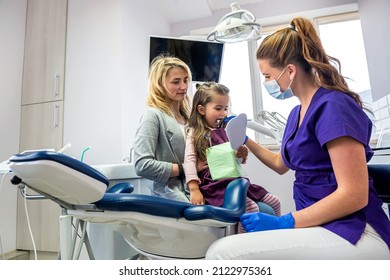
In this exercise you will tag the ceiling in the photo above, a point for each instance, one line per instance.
(198, 17)
(183, 10)
(224, 4)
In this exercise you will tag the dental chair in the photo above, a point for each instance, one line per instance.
(155, 227)
(380, 172)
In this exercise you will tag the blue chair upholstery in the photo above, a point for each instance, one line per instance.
(120, 197)
(233, 207)
(62, 159)
(230, 212)
(155, 227)
(380, 172)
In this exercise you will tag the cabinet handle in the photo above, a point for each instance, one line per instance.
(56, 115)
(56, 85)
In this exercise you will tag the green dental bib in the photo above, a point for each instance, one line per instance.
(223, 163)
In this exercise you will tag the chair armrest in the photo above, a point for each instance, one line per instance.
(234, 205)
(123, 187)
(157, 206)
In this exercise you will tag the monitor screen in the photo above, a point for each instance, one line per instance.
(203, 57)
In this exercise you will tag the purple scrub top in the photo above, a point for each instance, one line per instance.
(331, 115)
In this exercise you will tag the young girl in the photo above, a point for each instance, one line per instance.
(209, 109)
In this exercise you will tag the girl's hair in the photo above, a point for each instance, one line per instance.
(201, 131)
(158, 92)
(300, 44)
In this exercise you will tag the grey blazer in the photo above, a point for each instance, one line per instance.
(159, 142)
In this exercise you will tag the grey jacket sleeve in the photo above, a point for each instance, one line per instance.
(148, 156)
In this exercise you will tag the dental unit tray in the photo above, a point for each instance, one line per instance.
(156, 227)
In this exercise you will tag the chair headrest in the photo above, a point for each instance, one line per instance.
(60, 177)
(63, 159)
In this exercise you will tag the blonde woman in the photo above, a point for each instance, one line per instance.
(160, 138)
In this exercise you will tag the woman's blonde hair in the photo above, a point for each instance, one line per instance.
(300, 44)
(158, 92)
(203, 95)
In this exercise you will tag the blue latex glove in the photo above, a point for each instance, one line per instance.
(227, 119)
(260, 221)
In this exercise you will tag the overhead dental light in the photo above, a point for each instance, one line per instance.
(237, 26)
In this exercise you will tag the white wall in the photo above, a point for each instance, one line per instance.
(93, 78)
(268, 13)
(279, 185)
(12, 29)
(374, 17)
(106, 75)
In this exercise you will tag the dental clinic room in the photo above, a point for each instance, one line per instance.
(195, 130)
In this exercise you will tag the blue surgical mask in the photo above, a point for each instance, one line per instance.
(273, 88)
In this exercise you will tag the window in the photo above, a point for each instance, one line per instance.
(348, 49)
(236, 76)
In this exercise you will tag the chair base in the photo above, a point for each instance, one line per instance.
(154, 237)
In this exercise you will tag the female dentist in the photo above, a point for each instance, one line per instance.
(326, 142)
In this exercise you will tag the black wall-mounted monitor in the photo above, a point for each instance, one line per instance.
(203, 57)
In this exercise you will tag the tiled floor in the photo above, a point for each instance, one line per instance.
(16, 255)
(45, 256)
(30, 255)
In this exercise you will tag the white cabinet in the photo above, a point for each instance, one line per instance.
(44, 57)
(42, 111)
(42, 126)
(43, 74)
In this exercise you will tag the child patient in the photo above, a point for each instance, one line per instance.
(209, 109)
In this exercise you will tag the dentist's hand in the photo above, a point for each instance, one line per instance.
(260, 221)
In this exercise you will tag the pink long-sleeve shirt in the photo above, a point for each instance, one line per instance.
(191, 163)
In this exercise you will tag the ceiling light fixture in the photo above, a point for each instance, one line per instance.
(237, 26)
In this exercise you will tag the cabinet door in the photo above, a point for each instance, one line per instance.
(44, 58)
(41, 126)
